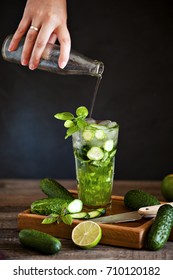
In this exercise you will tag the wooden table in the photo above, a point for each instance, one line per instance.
(16, 196)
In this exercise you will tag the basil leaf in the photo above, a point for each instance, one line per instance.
(71, 130)
(68, 123)
(82, 111)
(64, 116)
(64, 209)
(50, 219)
(67, 219)
(81, 123)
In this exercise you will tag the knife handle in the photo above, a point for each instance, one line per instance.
(151, 210)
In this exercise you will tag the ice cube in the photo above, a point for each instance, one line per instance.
(90, 120)
(112, 124)
(105, 122)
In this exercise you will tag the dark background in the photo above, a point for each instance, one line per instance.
(134, 39)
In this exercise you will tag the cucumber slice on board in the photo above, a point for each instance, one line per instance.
(94, 214)
(75, 206)
(102, 210)
(89, 215)
(80, 215)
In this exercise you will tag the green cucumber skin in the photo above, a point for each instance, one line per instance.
(52, 188)
(39, 241)
(161, 228)
(135, 199)
(47, 206)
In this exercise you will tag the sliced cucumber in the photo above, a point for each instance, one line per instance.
(89, 215)
(80, 215)
(103, 161)
(99, 134)
(102, 210)
(108, 145)
(75, 206)
(95, 153)
(88, 135)
(94, 214)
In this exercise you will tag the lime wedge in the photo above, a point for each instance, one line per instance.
(87, 234)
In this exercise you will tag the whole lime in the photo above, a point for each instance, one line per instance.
(167, 187)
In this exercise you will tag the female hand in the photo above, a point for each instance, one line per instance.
(43, 21)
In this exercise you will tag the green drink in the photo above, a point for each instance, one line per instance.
(94, 150)
(94, 146)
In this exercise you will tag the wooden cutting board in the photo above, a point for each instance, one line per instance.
(130, 234)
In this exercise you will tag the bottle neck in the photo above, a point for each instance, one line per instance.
(99, 69)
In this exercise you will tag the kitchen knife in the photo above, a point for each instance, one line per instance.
(147, 212)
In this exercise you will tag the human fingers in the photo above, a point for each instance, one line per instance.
(52, 38)
(65, 46)
(19, 33)
(44, 36)
(29, 44)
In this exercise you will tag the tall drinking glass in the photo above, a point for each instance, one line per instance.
(95, 148)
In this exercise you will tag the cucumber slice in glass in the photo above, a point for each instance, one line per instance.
(88, 135)
(95, 153)
(99, 134)
(108, 145)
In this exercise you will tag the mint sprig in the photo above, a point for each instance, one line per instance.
(63, 216)
(73, 123)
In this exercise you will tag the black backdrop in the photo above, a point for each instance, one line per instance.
(134, 39)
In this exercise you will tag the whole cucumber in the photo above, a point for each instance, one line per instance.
(135, 199)
(53, 188)
(47, 206)
(161, 228)
(39, 241)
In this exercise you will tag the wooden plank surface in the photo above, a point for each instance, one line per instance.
(17, 195)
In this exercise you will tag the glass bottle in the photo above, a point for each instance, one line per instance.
(78, 64)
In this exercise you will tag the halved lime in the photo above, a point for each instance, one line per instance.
(87, 234)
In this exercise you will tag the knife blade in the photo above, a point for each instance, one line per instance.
(147, 212)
